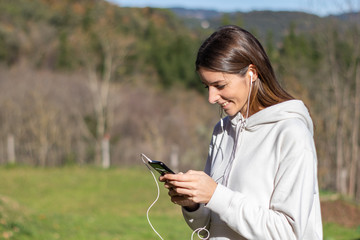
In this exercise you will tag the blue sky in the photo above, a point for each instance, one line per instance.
(319, 7)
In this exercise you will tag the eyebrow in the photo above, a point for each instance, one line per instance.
(213, 83)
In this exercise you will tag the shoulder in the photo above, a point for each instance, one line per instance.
(294, 137)
(294, 127)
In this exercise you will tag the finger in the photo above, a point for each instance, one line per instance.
(185, 185)
(182, 201)
(181, 178)
(168, 185)
(184, 192)
(173, 193)
(189, 176)
(161, 178)
(178, 199)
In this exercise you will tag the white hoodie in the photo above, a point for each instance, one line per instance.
(266, 170)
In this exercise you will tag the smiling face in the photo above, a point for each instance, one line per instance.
(230, 91)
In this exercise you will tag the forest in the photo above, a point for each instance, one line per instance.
(87, 82)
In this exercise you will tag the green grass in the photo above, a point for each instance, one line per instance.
(92, 204)
(85, 203)
(336, 232)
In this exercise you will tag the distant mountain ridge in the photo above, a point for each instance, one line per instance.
(263, 22)
(196, 13)
(205, 14)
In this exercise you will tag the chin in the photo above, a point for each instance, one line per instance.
(230, 113)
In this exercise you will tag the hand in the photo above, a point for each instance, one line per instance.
(189, 189)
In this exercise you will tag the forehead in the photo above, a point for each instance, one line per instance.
(208, 76)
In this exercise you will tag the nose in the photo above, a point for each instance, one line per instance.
(213, 95)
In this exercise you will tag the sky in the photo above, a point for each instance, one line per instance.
(318, 7)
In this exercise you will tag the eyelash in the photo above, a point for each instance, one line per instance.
(220, 87)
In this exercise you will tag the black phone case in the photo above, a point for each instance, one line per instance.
(160, 167)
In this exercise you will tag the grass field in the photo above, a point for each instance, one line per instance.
(90, 203)
(84, 203)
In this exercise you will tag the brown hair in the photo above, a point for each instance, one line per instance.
(232, 49)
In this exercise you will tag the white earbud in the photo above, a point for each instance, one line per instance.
(251, 76)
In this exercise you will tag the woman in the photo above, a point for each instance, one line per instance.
(260, 178)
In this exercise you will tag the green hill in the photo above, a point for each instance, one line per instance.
(62, 35)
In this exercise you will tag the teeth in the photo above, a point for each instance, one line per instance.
(224, 104)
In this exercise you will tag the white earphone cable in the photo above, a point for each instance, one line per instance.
(157, 197)
(198, 230)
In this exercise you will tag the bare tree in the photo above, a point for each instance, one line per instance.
(44, 112)
(103, 53)
(341, 108)
(355, 160)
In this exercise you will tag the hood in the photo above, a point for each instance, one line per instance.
(281, 111)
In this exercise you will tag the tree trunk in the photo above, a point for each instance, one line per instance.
(339, 114)
(105, 147)
(355, 137)
(11, 149)
(174, 158)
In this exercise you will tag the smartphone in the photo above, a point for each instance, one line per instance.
(159, 166)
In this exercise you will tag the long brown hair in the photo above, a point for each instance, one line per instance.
(232, 49)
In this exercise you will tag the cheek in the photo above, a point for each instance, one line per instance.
(240, 92)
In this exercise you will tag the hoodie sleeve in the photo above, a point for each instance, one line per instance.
(197, 219)
(292, 198)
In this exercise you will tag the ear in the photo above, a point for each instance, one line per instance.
(252, 72)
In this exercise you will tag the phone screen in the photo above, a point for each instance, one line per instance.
(159, 166)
